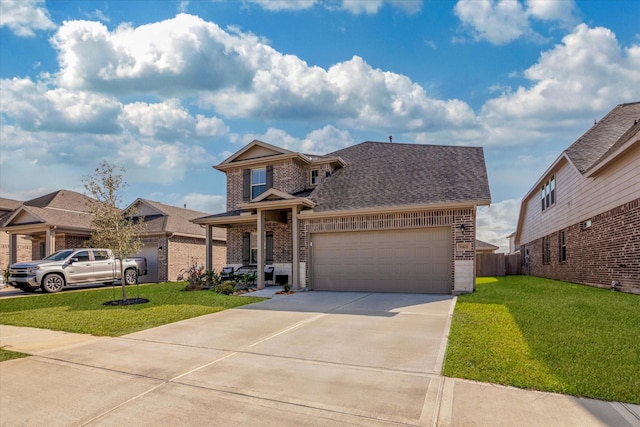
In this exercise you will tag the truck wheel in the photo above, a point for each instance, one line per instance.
(130, 276)
(52, 283)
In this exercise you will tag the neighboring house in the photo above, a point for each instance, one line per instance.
(12, 246)
(485, 248)
(513, 248)
(581, 220)
(55, 221)
(372, 217)
(61, 220)
(172, 243)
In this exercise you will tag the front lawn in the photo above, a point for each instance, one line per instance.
(548, 335)
(83, 312)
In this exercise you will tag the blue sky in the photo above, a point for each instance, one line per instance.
(166, 89)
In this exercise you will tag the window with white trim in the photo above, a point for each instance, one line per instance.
(258, 182)
(315, 176)
(548, 193)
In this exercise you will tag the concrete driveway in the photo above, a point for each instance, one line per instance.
(315, 358)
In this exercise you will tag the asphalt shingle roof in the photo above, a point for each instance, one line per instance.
(62, 208)
(382, 174)
(604, 136)
(177, 220)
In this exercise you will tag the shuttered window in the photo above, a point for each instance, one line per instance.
(246, 185)
(269, 248)
(246, 248)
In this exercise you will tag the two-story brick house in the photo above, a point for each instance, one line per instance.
(580, 222)
(372, 217)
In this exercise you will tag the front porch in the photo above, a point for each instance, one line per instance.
(263, 232)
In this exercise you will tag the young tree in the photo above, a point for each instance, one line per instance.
(111, 227)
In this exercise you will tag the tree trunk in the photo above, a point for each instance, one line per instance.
(123, 282)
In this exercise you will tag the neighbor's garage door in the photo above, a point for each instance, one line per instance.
(414, 260)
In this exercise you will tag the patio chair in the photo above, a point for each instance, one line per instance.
(226, 273)
(268, 274)
(247, 274)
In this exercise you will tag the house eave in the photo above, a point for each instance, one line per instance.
(278, 204)
(226, 221)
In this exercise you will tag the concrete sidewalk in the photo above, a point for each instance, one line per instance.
(310, 358)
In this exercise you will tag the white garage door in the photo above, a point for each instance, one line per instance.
(415, 260)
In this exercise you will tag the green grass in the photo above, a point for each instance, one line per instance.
(548, 335)
(9, 355)
(83, 312)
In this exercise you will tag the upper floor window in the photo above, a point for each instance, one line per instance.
(548, 193)
(315, 177)
(258, 182)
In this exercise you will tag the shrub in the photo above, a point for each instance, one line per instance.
(225, 288)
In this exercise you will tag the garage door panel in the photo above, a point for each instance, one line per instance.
(417, 260)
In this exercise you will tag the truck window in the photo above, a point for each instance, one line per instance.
(82, 256)
(59, 256)
(100, 255)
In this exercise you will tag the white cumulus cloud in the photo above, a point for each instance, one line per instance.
(503, 21)
(494, 223)
(25, 17)
(588, 73)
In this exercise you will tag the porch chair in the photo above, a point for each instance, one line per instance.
(226, 273)
(268, 274)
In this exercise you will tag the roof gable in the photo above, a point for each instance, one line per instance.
(24, 215)
(256, 150)
(163, 218)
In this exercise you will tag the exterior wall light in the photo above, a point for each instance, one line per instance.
(462, 228)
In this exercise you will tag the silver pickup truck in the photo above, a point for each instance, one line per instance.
(70, 267)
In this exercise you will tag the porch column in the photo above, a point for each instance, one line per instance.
(13, 249)
(209, 247)
(50, 241)
(295, 267)
(261, 254)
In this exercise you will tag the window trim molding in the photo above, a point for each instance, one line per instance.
(317, 177)
(546, 250)
(254, 185)
(548, 195)
(562, 246)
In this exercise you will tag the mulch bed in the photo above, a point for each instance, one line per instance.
(128, 301)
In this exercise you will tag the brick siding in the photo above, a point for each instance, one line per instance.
(607, 250)
(23, 251)
(281, 241)
(289, 176)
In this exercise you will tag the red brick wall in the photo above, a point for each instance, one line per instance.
(282, 243)
(608, 250)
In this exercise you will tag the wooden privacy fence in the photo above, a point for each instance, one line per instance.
(497, 265)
